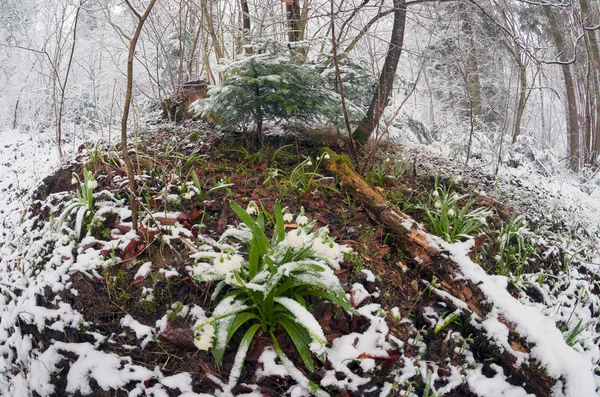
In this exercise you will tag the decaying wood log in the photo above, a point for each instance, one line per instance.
(430, 261)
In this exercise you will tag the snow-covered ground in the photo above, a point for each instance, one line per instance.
(25, 159)
(26, 367)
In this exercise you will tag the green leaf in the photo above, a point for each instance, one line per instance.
(279, 224)
(301, 340)
(240, 356)
(239, 320)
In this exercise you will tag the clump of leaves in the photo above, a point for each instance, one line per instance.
(84, 204)
(268, 286)
(514, 252)
(444, 217)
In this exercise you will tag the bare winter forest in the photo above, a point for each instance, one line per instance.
(300, 198)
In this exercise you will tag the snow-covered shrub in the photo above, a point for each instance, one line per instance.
(268, 286)
(273, 84)
(525, 153)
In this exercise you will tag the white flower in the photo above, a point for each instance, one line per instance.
(326, 156)
(225, 263)
(252, 208)
(435, 193)
(232, 280)
(92, 184)
(288, 217)
(450, 212)
(204, 337)
(482, 220)
(74, 180)
(482, 193)
(326, 249)
(455, 197)
(387, 160)
(189, 195)
(309, 163)
(457, 178)
(497, 258)
(295, 238)
(302, 220)
(438, 204)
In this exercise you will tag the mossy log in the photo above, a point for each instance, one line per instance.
(429, 262)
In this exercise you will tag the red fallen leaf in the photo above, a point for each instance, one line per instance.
(166, 220)
(195, 214)
(131, 247)
(221, 223)
(123, 228)
(321, 219)
(155, 202)
(180, 335)
(360, 216)
(146, 233)
(106, 251)
(147, 383)
(182, 217)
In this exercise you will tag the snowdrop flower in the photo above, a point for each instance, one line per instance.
(497, 258)
(295, 238)
(92, 184)
(326, 249)
(435, 193)
(482, 193)
(74, 180)
(450, 212)
(309, 162)
(232, 280)
(457, 178)
(189, 195)
(326, 156)
(387, 160)
(225, 263)
(437, 204)
(455, 197)
(252, 209)
(482, 220)
(287, 217)
(204, 336)
(302, 219)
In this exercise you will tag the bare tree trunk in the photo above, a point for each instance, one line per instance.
(128, 98)
(386, 80)
(245, 26)
(572, 109)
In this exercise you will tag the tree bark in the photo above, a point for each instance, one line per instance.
(572, 108)
(386, 80)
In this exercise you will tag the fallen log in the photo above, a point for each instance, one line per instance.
(431, 259)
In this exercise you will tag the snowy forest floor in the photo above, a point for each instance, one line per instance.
(89, 307)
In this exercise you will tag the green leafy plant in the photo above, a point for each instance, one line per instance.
(304, 179)
(84, 205)
(267, 288)
(444, 217)
(514, 253)
(189, 190)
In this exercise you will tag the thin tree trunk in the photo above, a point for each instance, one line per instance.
(386, 79)
(245, 26)
(572, 109)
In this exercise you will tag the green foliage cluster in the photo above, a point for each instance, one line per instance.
(444, 217)
(272, 288)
